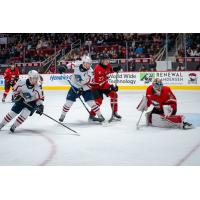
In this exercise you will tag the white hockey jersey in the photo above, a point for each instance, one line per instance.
(29, 94)
(81, 79)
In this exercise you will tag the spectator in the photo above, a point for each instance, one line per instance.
(61, 69)
(180, 67)
(152, 63)
(139, 50)
(142, 68)
(52, 70)
(198, 67)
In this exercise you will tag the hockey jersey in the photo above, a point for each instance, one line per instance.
(165, 98)
(10, 75)
(101, 76)
(81, 77)
(29, 94)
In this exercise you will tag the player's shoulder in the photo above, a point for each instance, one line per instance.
(150, 87)
(7, 70)
(21, 81)
(109, 66)
(77, 63)
(16, 69)
(77, 69)
(166, 88)
(97, 66)
(37, 87)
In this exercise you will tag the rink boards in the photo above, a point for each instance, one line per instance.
(184, 80)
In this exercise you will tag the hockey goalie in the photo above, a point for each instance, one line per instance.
(164, 109)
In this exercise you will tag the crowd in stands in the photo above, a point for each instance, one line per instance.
(124, 45)
(33, 47)
(37, 47)
(192, 46)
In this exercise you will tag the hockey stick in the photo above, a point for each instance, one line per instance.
(112, 116)
(138, 122)
(55, 121)
(78, 96)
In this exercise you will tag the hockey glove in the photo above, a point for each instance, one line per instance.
(40, 109)
(16, 79)
(117, 69)
(80, 91)
(113, 88)
(18, 98)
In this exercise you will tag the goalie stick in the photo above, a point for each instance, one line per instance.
(138, 122)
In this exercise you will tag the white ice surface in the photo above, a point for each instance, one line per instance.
(40, 141)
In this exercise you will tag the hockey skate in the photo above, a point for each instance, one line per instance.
(4, 98)
(101, 118)
(12, 129)
(95, 119)
(187, 125)
(116, 115)
(62, 117)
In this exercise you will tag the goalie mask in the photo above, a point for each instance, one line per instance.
(157, 86)
(33, 77)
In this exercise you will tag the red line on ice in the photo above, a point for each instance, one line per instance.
(52, 151)
(180, 162)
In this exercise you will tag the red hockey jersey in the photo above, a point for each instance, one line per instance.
(166, 98)
(101, 75)
(10, 75)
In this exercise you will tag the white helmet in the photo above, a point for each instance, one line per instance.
(33, 76)
(86, 59)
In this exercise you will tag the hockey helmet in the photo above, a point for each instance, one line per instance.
(86, 59)
(104, 56)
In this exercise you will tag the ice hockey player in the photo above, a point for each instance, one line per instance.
(11, 76)
(101, 86)
(80, 86)
(26, 91)
(164, 107)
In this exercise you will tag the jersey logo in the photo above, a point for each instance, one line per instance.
(78, 77)
(27, 95)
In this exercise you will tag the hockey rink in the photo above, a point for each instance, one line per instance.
(40, 141)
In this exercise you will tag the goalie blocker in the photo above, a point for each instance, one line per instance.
(165, 107)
